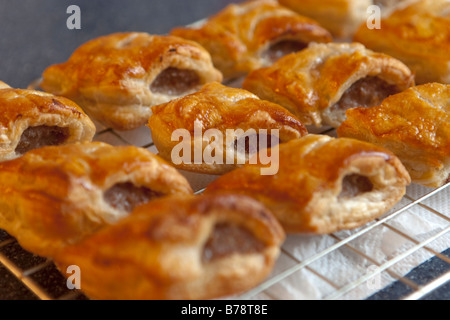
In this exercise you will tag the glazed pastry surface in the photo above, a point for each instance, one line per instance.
(418, 35)
(321, 82)
(247, 36)
(323, 184)
(180, 248)
(222, 109)
(32, 119)
(117, 78)
(415, 125)
(55, 196)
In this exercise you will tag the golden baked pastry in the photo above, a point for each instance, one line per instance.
(55, 196)
(341, 17)
(118, 77)
(32, 119)
(418, 35)
(415, 125)
(246, 36)
(179, 248)
(223, 109)
(323, 184)
(321, 82)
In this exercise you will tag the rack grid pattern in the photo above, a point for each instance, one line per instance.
(354, 264)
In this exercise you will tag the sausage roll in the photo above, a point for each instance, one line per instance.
(415, 125)
(341, 17)
(220, 128)
(181, 247)
(321, 82)
(117, 78)
(57, 195)
(247, 36)
(32, 119)
(323, 184)
(418, 35)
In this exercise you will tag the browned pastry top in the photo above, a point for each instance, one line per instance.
(182, 247)
(323, 184)
(93, 162)
(310, 81)
(221, 107)
(425, 21)
(16, 104)
(418, 117)
(302, 172)
(109, 61)
(240, 33)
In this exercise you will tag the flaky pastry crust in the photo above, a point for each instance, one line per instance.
(118, 77)
(221, 108)
(247, 36)
(181, 247)
(418, 35)
(340, 17)
(323, 184)
(31, 119)
(319, 83)
(343, 17)
(55, 196)
(415, 125)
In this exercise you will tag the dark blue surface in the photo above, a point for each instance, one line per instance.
(33, 33)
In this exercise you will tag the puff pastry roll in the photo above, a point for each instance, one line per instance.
(321, 82)
(323, 184)
(415, 125)
(418, 35)
(247, 36)
(341, 17)
(32, 119)
(179, 248)
(55, 196)
(219, 128)
(117, 78)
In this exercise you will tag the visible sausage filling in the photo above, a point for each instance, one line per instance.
(227, 239)
(354, 185)
(252, 144)
(41, 136)
(283, 48)
(367, 92)
(126, 196)
(175, 82)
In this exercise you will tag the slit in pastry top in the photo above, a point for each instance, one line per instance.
(319, 83)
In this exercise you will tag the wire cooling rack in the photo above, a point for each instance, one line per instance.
(382, 260)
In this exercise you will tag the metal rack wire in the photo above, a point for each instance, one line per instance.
(38, 278)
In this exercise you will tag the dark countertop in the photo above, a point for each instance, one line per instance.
(34, 35)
